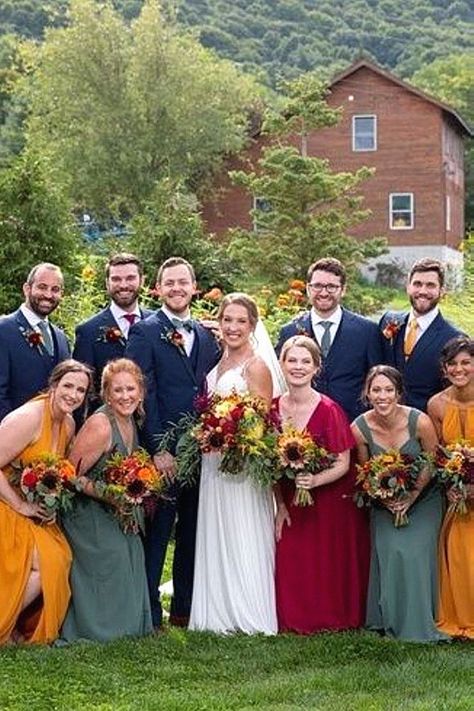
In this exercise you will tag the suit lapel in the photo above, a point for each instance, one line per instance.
(24, 326)
(426, 339)
(167, 327)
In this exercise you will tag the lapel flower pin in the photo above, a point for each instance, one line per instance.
(174, 338)
(391, 329)
(33, 338)
(111, 334)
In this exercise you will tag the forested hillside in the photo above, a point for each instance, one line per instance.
(278, 38)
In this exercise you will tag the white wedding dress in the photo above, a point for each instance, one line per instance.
(234, 583)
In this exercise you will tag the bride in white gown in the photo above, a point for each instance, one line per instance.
(235, 549)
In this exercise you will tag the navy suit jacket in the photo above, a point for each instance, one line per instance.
(421, 372)
(24, 367)
(92, 347)
(356, 347)
(171, 381)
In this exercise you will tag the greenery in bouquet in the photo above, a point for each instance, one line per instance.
(386, 477)
(296, 453)
(48, 480)
(130, 483)
(238, 427)
(454, 467)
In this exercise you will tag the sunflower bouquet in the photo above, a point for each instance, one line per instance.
(454, 467)
(129, 482)
(297, 453)
(237, 427)
(48, 480)
(388, 476)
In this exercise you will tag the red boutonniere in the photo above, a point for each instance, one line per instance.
(33, 338)
(174, 338)
(111, 334)
(391, 329)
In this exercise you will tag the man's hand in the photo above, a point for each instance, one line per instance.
(166, 464)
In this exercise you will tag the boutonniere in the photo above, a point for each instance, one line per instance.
(174, 338)
(33, 338)
(391, 329)
(111, 334)
(301, 330)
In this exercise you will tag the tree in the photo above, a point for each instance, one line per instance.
(35, 224)
(451, 80)
(310, 209)
(118, 107)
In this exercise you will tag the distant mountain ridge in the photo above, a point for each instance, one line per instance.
(283, 38)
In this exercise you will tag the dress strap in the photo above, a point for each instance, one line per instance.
(413, 416)
(361, 423)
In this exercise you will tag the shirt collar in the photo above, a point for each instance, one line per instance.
(170, 315)
(425, 320)
(117, 312)
(32, 317)
(335, 317)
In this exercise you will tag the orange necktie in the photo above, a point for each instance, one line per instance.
(410, 337)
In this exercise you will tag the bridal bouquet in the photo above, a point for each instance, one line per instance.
(298, 453)
(388, 477)
(128, 482)
(47, 480)
(454, 467)
(238, 427)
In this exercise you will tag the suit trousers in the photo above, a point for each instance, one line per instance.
(181, 506)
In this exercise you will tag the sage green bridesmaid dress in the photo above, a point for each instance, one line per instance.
(108, 580)
(403, 586)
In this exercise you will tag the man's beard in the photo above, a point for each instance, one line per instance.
(125, 300)
(44, 309)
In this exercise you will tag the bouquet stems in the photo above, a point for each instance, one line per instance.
(302, 497)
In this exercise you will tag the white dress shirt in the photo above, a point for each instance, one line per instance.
(334, 318)
(118, 313)
(188, 336)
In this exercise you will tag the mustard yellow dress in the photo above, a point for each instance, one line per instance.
(456, 602)
(19, 536)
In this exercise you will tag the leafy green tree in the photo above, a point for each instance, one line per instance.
(118, 107)
(35, 223)
(168, 225)
(451, 80)
(310, 209)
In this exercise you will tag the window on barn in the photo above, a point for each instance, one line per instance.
(402, 213)
(364, 133)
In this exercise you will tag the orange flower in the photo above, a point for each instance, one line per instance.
(214, 294)
(297, 285)
(296, 295)
(283, 300)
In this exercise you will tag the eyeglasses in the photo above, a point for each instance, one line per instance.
(330, 288)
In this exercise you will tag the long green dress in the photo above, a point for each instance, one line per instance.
(108, 579)
(403, 587)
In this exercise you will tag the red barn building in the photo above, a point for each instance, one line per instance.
(414, 142)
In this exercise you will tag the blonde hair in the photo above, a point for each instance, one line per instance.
(302, 342)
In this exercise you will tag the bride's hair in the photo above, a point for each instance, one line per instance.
(240, 299)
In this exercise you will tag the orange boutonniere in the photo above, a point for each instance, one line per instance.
(391, 329)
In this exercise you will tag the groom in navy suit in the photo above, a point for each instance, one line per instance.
(175, 354)
(103, 337)
(413, 341)
(30, 345)
(350, 344)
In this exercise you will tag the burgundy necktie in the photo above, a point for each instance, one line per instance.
(130, 318)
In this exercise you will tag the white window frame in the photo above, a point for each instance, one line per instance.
(354, 119)
(411, 211)
(255, 201)
(448, 213)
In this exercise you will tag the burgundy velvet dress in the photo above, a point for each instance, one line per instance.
(322, 559)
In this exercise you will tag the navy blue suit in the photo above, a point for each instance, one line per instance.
(92, 347)
(421, 370)
(24, 367)
(355, 349)
(172, 380)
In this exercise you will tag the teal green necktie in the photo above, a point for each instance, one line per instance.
(47, 340)
(326, 339)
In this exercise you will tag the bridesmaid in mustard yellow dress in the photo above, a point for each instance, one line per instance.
(452, 412)
(34, 555)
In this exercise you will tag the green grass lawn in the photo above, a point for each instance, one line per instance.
(193, 671)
